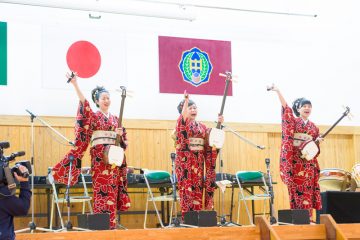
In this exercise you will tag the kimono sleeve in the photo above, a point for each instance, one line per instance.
(182, 134)
(83, 133)
(287, 139)
(210, 174)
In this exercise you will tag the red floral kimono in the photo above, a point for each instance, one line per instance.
(109, 184)
(300, 175)
(190, 167)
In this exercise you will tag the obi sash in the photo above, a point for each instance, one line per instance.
(299, 138)
(103, 137)
(196, 144)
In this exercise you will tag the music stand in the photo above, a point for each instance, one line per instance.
(32, 226)
(69, 225)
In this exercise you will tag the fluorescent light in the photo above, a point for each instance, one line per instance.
(126, 7)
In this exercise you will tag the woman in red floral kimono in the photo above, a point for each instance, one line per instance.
(192, 153)
(300, 175)
(109, 182)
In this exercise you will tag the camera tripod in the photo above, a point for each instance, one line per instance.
(32, 226)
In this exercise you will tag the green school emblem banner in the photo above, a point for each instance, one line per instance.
(3, 53)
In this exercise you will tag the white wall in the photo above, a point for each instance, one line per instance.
(315, 57)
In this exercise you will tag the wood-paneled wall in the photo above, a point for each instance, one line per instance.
(150, 146)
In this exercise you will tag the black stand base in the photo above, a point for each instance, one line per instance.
(69, 226)
(32, 226)
(176, 222)
(272, 220)
(224, 223)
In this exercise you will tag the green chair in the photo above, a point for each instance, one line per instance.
(152, 178)
(246, 195)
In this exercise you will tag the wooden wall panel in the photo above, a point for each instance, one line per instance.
(150, 146)
(356, 148)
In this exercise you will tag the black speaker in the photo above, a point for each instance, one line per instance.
(134, 178)
(97, 221)
(294, 216)
(201, 218)
(344, 207)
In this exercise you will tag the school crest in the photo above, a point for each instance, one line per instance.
(195, 67)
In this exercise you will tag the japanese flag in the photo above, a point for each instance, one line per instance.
(97, 55)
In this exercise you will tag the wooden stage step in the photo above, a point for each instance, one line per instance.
(223, 233)
(327, 229)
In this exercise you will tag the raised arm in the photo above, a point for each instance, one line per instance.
(281, 98)
(185, 110)
(76, 86)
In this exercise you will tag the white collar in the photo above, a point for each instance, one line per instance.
(107, 115)
(305, 121)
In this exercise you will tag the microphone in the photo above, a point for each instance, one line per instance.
(31, 114)
(71, 76)
(172, 156)
(71, 158)
(14, 155)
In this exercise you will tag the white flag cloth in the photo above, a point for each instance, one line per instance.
(111, 59)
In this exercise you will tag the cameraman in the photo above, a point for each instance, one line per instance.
(11, 206)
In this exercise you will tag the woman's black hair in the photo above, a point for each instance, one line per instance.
(181, 104)
(95, 93)
(298, 103)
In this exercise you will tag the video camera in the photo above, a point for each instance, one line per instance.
(4, 163)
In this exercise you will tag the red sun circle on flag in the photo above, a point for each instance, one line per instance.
(84, 58)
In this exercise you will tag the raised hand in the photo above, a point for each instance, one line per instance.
(272, 88)
(185, 111)
(221, 119)
(119, 131)
(19, 178)
(72, 77)
(281, 98)
(186, 95)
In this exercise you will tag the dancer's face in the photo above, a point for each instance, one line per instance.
(104, 102)
(305, 111)
(192, 110)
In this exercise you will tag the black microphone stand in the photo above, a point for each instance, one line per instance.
(222, 216)
(222, 219)
(271, 191)
(32, 226)
(176, 221)
(69, 225)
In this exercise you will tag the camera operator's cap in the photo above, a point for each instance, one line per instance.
(4, 145)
